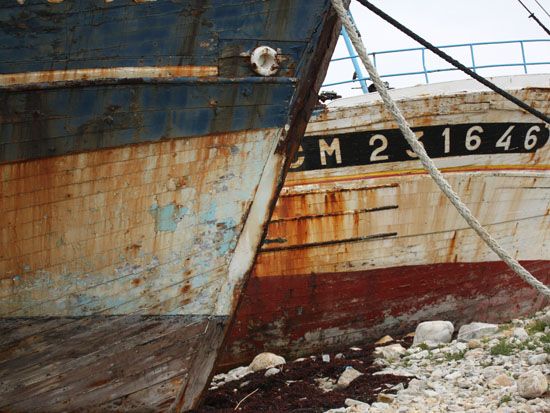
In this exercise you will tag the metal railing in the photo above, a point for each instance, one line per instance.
(426, 71)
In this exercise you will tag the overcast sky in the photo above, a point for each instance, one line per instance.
(446, 22)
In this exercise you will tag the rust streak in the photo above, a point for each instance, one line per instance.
(334, 214)
(323, 243)
(332, 190)
(51, 76)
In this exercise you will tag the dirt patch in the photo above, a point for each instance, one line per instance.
(294, 389)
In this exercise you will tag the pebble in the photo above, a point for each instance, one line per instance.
(272, 371)
(490, 369)
(347, 377)
(391, 352)
(384, 340)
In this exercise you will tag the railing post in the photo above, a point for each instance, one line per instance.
(473, 60)
(424, 66)
(355, 61)
(523, 57)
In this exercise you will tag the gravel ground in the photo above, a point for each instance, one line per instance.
(490, 368)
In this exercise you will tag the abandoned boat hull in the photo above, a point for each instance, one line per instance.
(140, 159)
(362, 243)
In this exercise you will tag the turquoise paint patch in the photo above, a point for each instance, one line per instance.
(210, 214)
(229, 239)
(167, 217)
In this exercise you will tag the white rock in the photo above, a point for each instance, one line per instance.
(353, 402)
(339, 410)
(416, 385)
(420, 355)
(476, 330)
(395, 372)
(237, 373)
(272, 371)
(378, 407)
(532, 384)
(505, 409)
(453, 376)
(325, 384)
(398, 387)
(347, 377)
(266, 360)
(520, 334)
(431, 393)
(537, 359)
(380, 363)
(339, 356)
(491, 372)
(433, 332)
(391, 352)
(358, 408)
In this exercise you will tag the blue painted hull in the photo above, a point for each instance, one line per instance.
(141, 155)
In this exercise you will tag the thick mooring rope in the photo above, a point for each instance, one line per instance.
(428, 164)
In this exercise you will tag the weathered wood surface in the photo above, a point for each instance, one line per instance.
(364, 243)
(140, 159)
(116, 362)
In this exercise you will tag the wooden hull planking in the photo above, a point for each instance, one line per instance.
(140, 160)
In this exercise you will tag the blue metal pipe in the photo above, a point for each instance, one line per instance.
(451, 69)
(362, 80)
(354, 60)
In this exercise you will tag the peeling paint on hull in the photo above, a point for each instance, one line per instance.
(360, 245)
(302, 314)
(140, 160)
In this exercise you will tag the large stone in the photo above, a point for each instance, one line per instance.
(476, 330)
(347, 377)
(266, 360)
(532, 384)
(391, 352)
(433, 332)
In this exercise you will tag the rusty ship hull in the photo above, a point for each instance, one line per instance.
(141, 155)
(362, 243)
